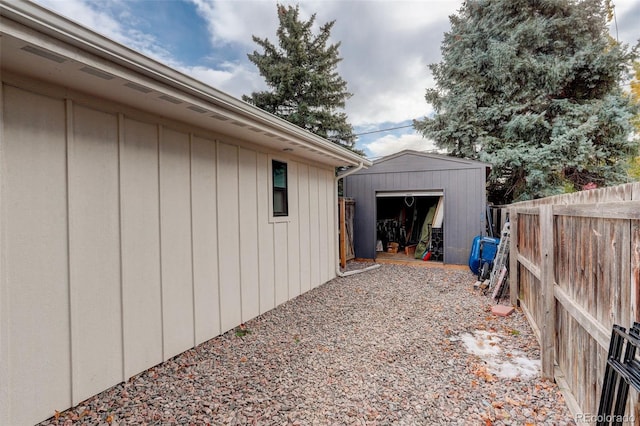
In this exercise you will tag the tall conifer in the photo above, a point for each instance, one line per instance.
(304, 85)
(534, 87)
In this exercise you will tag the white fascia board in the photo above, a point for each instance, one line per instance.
(60, 28)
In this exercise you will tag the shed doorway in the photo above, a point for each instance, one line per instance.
(409, 225)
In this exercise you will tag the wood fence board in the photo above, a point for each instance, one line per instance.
(583, 318)
(561, 253)
(596, 375)
(528, 284)
(573, 405)
(514, 276)
(634, 303)
(592, 261)
(577, 279)
(529, 265)
(596, 259)
(635, 191)
(613, 210)
(624, 273)
(601, 363)
(529, 237)
(547, 342)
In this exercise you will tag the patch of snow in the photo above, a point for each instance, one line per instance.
(482, 343)
(518, 367)
(486, 345)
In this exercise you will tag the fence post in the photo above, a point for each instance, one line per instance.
(514, 276)
(547, 281)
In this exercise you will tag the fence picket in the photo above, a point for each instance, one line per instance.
(575, 269)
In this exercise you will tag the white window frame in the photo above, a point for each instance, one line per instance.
(272, 217)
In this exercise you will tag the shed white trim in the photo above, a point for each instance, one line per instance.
(382, 194)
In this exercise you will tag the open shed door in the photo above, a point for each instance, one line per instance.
(401, 218)
(346, 209)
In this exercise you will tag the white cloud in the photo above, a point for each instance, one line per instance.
(231, 78)
(83, 13)
(237, 21)
(113, 20)
(386, 46)
(391, 144)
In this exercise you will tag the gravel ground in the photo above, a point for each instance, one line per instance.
(396, 345)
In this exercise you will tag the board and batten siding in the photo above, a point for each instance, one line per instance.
(127, 240)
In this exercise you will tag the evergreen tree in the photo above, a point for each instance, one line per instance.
(533, 87)
(305, 88)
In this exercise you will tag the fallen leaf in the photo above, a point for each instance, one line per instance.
(243, 359)
(512, 402)
(481, 371)
(109, 419)
(56, 414)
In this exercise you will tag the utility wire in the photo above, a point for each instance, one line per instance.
(383, 130)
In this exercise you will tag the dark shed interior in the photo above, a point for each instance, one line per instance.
(401, 220)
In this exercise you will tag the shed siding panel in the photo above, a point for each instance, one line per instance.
(303, 226)
(141, 290)
(293, 232)
(265, 238)
(34, 273)
(228, 233)
(205, 236)
(94, 252)
(362, 225)
(462, 182)
(248, 235)
(175, 232)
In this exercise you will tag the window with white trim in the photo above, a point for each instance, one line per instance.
(279, 188)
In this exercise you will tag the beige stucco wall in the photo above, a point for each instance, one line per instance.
(127, 239)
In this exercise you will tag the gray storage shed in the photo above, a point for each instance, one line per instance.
(397, 192)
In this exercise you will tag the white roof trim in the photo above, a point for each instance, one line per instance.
(148, 71)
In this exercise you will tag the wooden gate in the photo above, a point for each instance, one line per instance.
(346, 207)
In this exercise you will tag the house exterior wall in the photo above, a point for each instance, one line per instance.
(463, 183)
(127, 239)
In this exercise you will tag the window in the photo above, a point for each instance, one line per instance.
(280, 197)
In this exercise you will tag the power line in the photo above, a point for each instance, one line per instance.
(383, 130)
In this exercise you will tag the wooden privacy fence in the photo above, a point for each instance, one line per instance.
(575, 270)
(346, 209)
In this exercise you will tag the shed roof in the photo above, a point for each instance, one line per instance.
(412, 161)
(41, 44)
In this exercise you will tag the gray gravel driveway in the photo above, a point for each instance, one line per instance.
(397, 345)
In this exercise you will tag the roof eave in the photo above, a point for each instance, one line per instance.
(42, 20)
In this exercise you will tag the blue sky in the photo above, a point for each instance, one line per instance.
(385, 45)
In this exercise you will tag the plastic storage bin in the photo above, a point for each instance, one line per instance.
(483, 250)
